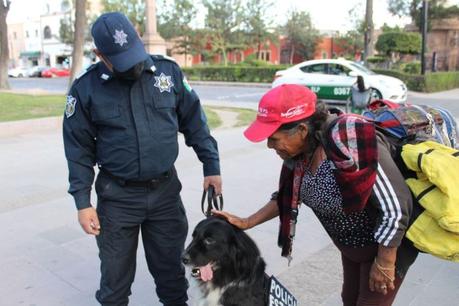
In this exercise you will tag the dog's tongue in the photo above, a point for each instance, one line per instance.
(206, 272)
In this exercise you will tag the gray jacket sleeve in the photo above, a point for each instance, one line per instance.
(391, 197)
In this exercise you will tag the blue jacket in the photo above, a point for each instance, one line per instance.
(130, 129)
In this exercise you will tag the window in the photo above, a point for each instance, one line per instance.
(324, 54)
(36, 33)
(264, 55)
(27, 34)
(47, 32)
(317, 68)
(337, 69)
(14, 35)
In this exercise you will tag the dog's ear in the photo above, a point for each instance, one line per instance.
(247, 253)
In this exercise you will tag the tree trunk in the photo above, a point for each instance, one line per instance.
(225, 58)
(292, 53)
(369, 30)
(4, 50)
(78, 43)
(259, 50)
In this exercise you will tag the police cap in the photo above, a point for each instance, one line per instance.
(115, 37)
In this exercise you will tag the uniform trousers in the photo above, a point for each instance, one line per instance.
(158, 213)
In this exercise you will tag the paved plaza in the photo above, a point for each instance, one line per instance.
(46, 259)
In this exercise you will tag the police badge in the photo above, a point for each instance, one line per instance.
(163, 82)
(70, 106)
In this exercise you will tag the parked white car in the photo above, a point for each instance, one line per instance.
(331, 79)
(18, 72)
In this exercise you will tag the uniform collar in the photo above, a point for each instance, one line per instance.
(105, 74)
(149, 65)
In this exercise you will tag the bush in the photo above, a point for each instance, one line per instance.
(376, 59)
(413, 82)
(252, 60)
(402, 42)
(411, 68)
(431, 82)
(232, 73)
(439, 81)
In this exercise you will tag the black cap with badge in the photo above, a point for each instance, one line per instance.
(116, 38)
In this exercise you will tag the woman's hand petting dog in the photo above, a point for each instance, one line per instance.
(242, 223)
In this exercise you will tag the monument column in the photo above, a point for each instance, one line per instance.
(154, 43)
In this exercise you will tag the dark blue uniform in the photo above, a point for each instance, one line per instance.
(129, 129)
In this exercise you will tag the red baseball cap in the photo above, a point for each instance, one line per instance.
(282, 104)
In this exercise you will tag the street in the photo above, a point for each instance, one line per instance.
(228, 95)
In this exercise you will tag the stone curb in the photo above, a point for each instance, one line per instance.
(15, 128)
(232, 84)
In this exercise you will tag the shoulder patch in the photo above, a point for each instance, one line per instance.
(186, 84)
(70, 106)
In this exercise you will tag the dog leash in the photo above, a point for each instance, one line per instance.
(213, 201)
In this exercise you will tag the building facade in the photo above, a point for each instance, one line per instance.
(36, 40)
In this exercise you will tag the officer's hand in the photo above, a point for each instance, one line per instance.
(89, 220)
(214, 180)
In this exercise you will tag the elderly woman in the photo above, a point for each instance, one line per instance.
(342, 169)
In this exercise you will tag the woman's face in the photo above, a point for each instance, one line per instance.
(288, 143)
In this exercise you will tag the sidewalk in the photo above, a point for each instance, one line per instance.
(47, 260)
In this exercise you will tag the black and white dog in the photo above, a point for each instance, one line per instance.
(227, 263)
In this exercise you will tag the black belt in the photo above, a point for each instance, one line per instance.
(151, 183)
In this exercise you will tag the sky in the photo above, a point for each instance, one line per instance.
(325, 14)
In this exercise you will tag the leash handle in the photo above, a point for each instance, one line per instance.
(213, 201)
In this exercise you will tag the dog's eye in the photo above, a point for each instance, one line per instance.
(209, 241)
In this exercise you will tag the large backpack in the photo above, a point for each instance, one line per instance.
(413, 123)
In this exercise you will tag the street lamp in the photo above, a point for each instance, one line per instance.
(424, 36)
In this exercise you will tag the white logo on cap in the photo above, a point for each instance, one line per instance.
(262, 112)
(120, 37)
(294, 111)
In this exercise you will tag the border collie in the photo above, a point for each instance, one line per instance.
(227, 264)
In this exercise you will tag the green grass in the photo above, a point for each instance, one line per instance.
(245, 116)
(19, 107)
(213, 120)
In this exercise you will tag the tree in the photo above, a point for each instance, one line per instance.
(369, 29)
(301, 35)
(412, 8)
(175, 18)
(78, 45)
(399, 42)
(4, 50)
(257, 24)
(174, 22)
(223, 20)
(352, 42)
(133, 9)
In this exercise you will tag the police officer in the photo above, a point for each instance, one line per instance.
(123, 114)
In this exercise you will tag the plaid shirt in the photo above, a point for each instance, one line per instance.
(350, 143)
